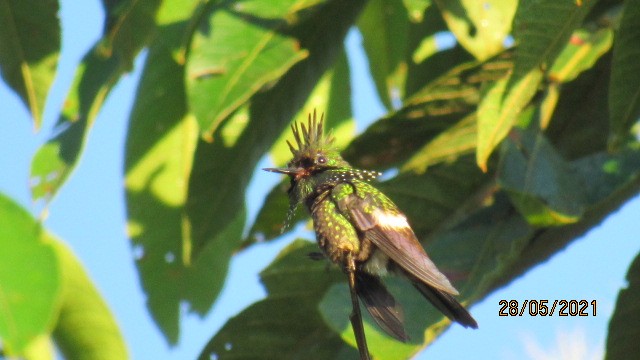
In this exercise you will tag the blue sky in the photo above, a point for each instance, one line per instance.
(89, 214)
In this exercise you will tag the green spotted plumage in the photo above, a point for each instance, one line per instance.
(363, 231)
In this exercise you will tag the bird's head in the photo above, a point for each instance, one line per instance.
(312, 158)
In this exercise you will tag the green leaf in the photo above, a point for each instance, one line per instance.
(384, 26)
(481, 27)
(459, 139)
(586, 97)
(100, 70)
(30, 279)
(539, 181)
(499, 109)
(236, 51)
(416, 9)
(129, 26)
(161, 141)
(622, 338)
(287, 324)
(29, 50)
(582, 51)
(624, 90)
(85, 328)
(541, 30)
(55, 160)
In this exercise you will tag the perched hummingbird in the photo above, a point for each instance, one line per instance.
(364, 232)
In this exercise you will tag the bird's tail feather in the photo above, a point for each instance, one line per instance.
(384, 309)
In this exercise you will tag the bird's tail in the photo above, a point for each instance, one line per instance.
(381, 305)
(447, 304)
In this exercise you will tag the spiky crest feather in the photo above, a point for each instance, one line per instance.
(310, 138)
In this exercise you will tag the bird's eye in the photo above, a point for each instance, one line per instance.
(321, 160)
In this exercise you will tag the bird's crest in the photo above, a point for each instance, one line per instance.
(309, 138)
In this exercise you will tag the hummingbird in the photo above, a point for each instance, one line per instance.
(361, 230)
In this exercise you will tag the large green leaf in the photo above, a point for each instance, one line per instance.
(30, 279)
(624, 90)
(100, 70)
(499, 110)
(288, 324)
(584, 49)
(85, 328)
(586, 97)
(384, 26)
(46, 292)
(622, 339)
(542, 29)
(29, 50)
(235, 52)
(539, 181)
(481, 27)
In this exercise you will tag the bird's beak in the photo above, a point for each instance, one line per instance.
(288, 171)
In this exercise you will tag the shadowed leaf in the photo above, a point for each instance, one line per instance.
(624, 90)
(622, 338)
(29, 50)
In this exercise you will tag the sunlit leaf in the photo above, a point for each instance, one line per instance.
(30, 279)
(481, 27)
(29, 50)
(499, 109)
(85, 328)
(580, 54)
(236, 51)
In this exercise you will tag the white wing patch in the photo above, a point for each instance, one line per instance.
(393, 221)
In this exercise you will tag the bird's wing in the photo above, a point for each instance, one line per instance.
(381, 222)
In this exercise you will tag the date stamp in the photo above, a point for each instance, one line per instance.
(547, 308)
